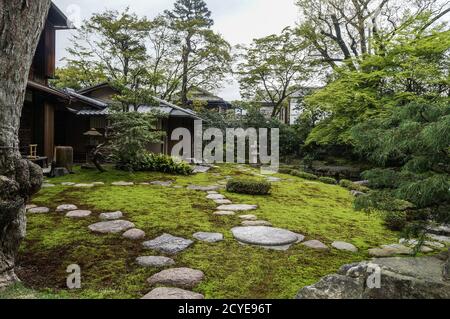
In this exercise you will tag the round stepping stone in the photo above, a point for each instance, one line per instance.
(172, 294)
(134, 234)
(155, 261)
(208, 237)
(177, 277)
(111, 227)
(30, 206)
(264, 236)
(248, 217)
(225, 213)
(340, 245)
(223, 201)
(79, 214)
(390, 250)
(215, 196)
(111, 216)
(66, 208)
(237, 207)
(256, 223)
(168, 244)
(122, 184)
(315, 244)
(83, 185)
(39, 210)
(203, 188)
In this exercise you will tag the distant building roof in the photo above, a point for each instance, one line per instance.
(95, 87)
(199, 94)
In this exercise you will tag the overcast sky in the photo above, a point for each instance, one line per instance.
(239, 21)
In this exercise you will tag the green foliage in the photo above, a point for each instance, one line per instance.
(353, 186)
(395, 220)
(250, 187)
(150, 162)
(129, 135)
(287, 171)
(328, 180)
(304, 175)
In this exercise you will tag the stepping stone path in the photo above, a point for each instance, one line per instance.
(237, 207)
(83, 185)
(134, 234)
(340, 245)
(248, 217)
(224, 213)
(215, 196)
(30, 206)
(208, 237)
(390, 250)
(164, 184)
(442, 239)
(212, 192)
(48, 185)
(111, 227)
(172, 294)
(315, 244)
(415, 242)
(256, 223)
(268, 237)
(111, 216)
(203, 188)
(68, 184)
(98, 184)
(79, 214)
(168, 244)
(155, 261)
(223, 201)
(122, 184)
(38, 210)
(177, 277)
(66, 208)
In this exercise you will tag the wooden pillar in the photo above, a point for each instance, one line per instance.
(49, 130)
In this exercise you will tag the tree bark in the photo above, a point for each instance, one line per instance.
(21, 24)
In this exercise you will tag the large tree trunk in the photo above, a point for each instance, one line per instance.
(21, 24)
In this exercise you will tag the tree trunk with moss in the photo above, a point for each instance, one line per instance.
(21, 24)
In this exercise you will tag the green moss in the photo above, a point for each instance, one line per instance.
(317, 210)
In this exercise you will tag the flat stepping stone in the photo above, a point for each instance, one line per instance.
(66, 208)
(224, 213)
(122, 184)
(340, 245)
(30, 206)
(79, 214)
(47, 185)
(98, 184)
(208, 237)
(415, 242)
(203, 188)
(172, 294)
(38, 210)
(164, 184)
(253, 223)
(315, 244)
(168, 244)
(68, 184)
(237, 207)
(178, 187)
(134, 234)
(111, 216)
(390, 250)
(111, 227)
(443, 230)
(215, 196)
(264, 236)
(177, 277)
(273, 179)
(155, 261)
(223, 201)
(201, 169)
(212, 192)
(83, 185)
(248, 217)
(439, 238)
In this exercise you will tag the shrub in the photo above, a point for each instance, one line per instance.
(250, 187)
(160, 163)
(395, 221)
(328, 180)
(304, 175)
(353, 186)
(287, 171)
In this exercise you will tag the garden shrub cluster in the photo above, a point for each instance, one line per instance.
(345, 183)
(160, 163)
(249, 187)
(304, 175)
(328, 180)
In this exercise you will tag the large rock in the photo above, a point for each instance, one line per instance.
(400, 278)
(172, 293)
(155, 261)
(168, 244)
(111, 227)
(237, 207)
(264, 236)
(177, 277)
